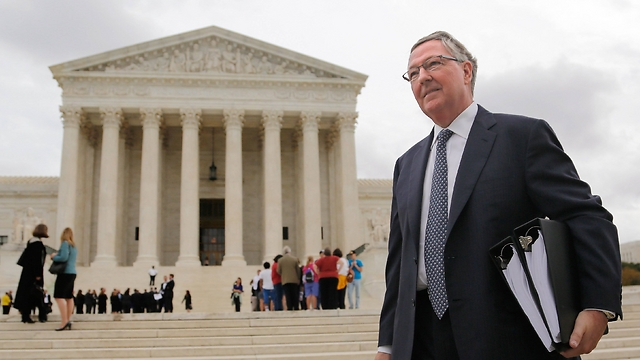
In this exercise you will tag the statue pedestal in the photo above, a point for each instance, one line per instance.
(11, 247)
(374, 259)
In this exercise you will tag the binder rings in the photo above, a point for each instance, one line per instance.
(538, 265)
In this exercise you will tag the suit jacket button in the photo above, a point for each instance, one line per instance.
(415, 260)
(413, 302)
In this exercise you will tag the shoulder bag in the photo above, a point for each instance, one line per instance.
(58, 267)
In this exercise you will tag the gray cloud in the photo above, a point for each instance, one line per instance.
(59, 31)
(571, 97)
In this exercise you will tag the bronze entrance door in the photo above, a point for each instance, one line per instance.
(211, 231)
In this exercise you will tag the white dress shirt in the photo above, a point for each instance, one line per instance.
(461, 127)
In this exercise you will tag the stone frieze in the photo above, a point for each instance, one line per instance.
(210, 55)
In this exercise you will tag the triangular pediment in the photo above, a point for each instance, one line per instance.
(208, 51)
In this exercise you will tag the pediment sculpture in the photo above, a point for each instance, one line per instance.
(210, 55)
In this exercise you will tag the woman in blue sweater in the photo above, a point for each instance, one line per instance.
(63, 292)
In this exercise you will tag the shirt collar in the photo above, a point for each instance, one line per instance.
(461, 125)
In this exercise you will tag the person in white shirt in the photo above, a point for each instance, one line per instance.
(267, 286)
(255, 292)
(152, 275)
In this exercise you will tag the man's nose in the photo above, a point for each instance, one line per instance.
(424, 75)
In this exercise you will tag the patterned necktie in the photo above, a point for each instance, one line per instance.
(435, 237)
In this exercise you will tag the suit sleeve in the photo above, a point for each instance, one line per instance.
(556, 189)
(392, 273)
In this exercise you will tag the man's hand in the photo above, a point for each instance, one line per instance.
(587, 331)
(382, 356)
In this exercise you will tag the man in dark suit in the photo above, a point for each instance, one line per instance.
(167, 294)
(458, 192)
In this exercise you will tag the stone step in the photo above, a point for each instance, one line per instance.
(274, 335)
(167, 333)
(618, 353)
(190, 351)
(351, 355)
(619, 342)
(622, 333)
(634, 308)
(159, 321)
(168, 342)
(625, 324)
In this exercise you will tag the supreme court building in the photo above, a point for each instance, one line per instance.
(209, 147)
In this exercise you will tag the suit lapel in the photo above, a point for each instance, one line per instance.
(416, 186)
(474, 157)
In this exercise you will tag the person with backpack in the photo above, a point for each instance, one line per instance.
(311, 287)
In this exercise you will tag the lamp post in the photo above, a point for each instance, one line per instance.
(213, 169)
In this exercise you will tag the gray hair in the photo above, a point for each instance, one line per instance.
(286, 250)
(456, 49)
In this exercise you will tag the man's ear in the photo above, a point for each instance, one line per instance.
(467, 68)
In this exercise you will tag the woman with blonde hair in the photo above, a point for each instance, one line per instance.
(63, 292)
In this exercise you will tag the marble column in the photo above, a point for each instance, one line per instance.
(312, 238)
(233, 253)
(72, 119)
(190, 188)
(348, 181)
(108, 192)
(272, 167)
(149, 188)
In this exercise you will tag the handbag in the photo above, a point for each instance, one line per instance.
(350, 276)
(58, 267)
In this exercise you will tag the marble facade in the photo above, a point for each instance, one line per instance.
(143, 124)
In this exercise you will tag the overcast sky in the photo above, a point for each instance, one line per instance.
(573, 63)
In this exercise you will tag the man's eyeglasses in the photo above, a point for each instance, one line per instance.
(431, 64)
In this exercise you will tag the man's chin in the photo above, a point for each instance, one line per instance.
(431, 108)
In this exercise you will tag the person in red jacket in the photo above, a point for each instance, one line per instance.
(327, 269)
(277, 284)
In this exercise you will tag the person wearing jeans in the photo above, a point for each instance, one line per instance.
(267, 286)
(355, 265)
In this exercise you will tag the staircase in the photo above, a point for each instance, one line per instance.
(312, 335)
(309, 335)
(623, 340)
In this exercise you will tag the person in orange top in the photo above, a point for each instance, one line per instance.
(327, 269)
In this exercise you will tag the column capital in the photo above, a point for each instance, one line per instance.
(309, 120)
(272, 119)
(233, 118)
(90, 132)
(190, 118)
(111, 117)
(346, 121)
(151, 118)
(332, 135)
(72, 116)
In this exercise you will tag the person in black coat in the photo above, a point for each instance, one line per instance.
(136, 302)
(102, 301)
(167, 295)
(126, 302)
(79, 301)
(88, 302)
(116, 303)
(94, 301)
(150, 302)
(29, 294)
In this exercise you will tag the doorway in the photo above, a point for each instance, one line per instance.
(211, 231)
